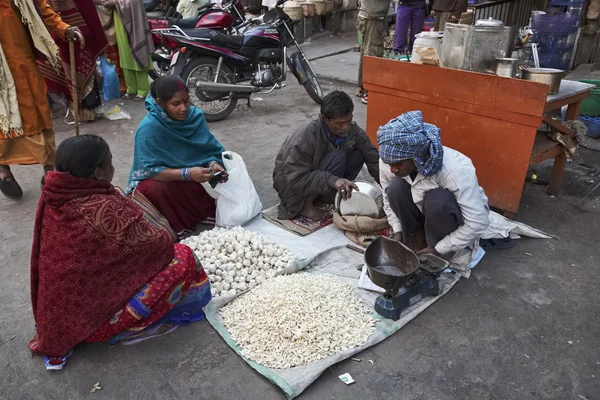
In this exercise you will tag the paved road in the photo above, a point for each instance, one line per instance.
(522, 327)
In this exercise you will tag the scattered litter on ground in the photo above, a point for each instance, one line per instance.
(14, 336)
(570, 342)
(257, 99)
(346, 378)
(371, 361)
(116, 113)
(529, 254)
(355, 359)
(96, 387)
(526, 355)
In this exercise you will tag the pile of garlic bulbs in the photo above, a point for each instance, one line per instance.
(236, 259)
(292, 320)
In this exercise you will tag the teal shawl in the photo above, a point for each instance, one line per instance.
(161, 143)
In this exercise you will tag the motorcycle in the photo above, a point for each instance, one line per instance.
(213, 65)
(210, 16)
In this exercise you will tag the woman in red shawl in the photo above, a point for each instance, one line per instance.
(99, 269)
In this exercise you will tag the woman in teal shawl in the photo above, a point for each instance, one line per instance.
(174, 152)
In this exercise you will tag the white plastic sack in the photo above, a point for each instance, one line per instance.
(237, 200)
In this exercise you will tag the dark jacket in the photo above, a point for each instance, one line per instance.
(456, 7)
(297, 175)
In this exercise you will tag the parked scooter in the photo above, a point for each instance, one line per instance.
(225, 18)
(214, 64)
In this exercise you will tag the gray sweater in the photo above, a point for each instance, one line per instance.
(297, 175)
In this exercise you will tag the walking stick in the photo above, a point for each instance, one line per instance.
(74, 79)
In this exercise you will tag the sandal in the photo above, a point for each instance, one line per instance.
(492, 244)
(128, 96)
(139, 98)
(9, 186)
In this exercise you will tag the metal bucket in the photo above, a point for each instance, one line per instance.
(550, 76)
(368, 201)
(506, 67)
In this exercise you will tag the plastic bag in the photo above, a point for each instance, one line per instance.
(237, 199)
(110, 81)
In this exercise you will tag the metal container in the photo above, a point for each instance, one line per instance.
(367, 202)
(489, 22)
(475, 48)
(506, 67)
(550, 76)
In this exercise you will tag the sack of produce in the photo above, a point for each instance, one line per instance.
(362, 230)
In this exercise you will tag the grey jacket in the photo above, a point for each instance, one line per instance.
(297, 175)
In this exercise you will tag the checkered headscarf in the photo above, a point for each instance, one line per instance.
(408, 137)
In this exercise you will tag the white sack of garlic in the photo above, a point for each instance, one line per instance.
(238, 259)
(296, 319)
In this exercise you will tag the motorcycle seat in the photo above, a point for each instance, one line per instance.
(220, 39)
(187, 23)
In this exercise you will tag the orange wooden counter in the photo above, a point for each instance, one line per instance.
(493, 120)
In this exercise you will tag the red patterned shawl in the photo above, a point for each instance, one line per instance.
(82, 14)
(92, 250)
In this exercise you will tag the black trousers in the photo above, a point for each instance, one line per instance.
(342, 165)
(441, 213)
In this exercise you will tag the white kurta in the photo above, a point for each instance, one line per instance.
(458, 176)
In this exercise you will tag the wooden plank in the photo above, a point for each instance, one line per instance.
(488, 91)
(529, 120)
(549, 153)
(555, 105)
(557, 125)
(558, 171)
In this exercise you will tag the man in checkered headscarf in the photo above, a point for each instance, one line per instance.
(432, 198)
(407, 137)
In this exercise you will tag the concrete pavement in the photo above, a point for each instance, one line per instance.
(524, 326)
(335, 57)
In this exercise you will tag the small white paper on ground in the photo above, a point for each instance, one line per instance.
(346, 378)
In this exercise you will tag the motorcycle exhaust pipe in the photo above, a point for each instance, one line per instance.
(225, 87)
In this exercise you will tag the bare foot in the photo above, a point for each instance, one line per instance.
(311, 212)
(416, 241)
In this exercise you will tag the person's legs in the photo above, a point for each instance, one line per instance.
(130, 81)
(183, 203)
(442, 215)
(142, 83)
(360, 26)
(445, 17)
(354, 163)
(334, 162)
(374, 33)
(412, 220)
(416, 24)
(403, 17)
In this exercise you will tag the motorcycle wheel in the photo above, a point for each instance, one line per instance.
(312, 86)
(157, 70)
(215, 106)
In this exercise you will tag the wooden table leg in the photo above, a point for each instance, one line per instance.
(560, 163)
(572, 113)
